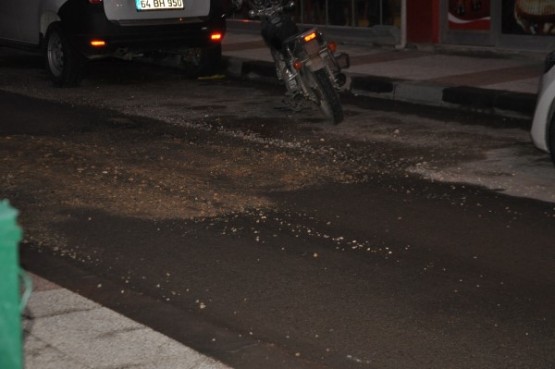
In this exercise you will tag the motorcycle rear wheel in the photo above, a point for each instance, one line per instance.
(328, 99)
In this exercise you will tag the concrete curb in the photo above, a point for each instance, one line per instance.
(65, 330)
(496, 102)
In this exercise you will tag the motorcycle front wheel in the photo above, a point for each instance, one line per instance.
(327, 97)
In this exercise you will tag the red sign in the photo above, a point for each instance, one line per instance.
(473, 15)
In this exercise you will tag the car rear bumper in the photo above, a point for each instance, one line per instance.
(144, 39)
(135, 37)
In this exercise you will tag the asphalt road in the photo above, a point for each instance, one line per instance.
(264, 238)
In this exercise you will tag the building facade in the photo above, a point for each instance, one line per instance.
(507, 24)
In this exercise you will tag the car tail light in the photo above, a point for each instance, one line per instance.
(216, 36)
(95, 2)
(97, 43)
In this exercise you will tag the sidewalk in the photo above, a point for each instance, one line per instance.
(467, 78)
(64, 330)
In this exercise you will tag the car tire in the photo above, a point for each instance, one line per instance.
(205, 61)
(551, 139)
(64, 63)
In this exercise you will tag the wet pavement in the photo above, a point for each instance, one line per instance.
(264, 238)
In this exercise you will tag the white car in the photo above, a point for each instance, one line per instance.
(543, 124)
(70, 32)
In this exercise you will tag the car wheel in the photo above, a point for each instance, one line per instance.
(204, 61)
(65, 64)
(551, 139)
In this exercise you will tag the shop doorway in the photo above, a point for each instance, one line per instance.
(375, 21)
(350, 13)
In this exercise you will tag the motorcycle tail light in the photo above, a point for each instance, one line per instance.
(95, 2)
(332, 46)
(97, 43)
(311, 36)
(298, 65)
(216, 36)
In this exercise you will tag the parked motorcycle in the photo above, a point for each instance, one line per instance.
(305, 61)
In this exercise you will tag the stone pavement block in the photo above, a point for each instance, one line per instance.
(41, 355)
(56, 302)
(419, 93)
(379, 85)
(519, 102)
(430, 67)
(65, 330)
(178, 363)
(473, 97)
(528, 85)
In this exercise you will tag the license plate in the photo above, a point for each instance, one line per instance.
(312, 47)
(143, 5)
